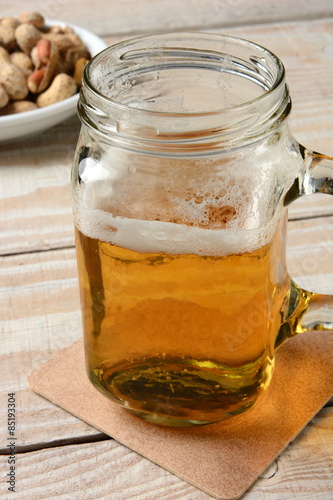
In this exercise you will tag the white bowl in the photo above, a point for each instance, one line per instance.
(22, 125)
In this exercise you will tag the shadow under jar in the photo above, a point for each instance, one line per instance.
(182, 174)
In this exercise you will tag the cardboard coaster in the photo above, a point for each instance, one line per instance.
(222, 459)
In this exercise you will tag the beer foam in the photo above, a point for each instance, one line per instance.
(209, 206)
(146, 236)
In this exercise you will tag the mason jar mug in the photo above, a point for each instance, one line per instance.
(183, 172)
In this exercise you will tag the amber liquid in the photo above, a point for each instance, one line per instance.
(181, 339)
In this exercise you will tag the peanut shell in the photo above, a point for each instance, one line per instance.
(32, 17)
(13, 81)
(27, 36)
(4, 55)
(34, 57)
(73, 55)
(7, 37)
(28, 62)
(54, 29)
(62, 87)
(22, 61)
(10, 21)
(79, 68)
(76, 40)
(68, 29)
(18, 107)
(35, 79)
(62, 41)
(4, 97)
(50, 67)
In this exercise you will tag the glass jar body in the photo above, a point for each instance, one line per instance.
(183, 171)
(182, 273)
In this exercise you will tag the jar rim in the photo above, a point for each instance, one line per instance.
(279, 79)
(126, 67)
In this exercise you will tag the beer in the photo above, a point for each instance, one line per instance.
(184, 337)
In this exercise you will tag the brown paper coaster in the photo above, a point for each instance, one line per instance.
(221, 459)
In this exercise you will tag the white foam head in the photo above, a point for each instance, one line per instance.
(166, 237)
(207, 206)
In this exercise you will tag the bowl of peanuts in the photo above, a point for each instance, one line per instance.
(41, 67)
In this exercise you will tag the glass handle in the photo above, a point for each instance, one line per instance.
(303, 310)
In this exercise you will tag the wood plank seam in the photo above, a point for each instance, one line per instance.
(96, 438)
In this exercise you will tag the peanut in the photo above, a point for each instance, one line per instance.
(47, 54)
(73, 55)
(76, 40)
(34, 57)
(10, 21)
(32, 17)
(44, 51)
(79, 68)
(22, 61)
(13, 81)
(4, 55)
(68, 29)
(61, 66)
(4, 97)
(62, 41)
(54, 29)
(40, 79)
(62, 87)
(27, 36)
(18, 107)
(7, 37)
(34, 80)
(48, 61)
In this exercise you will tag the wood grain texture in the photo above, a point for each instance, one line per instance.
(132, 16)
(35, 199)
(109, 470)
(310, 253)
(306, 50)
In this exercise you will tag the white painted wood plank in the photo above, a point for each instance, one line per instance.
(109, 470)
(131, 16)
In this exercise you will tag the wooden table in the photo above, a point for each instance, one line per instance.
(40, 312)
